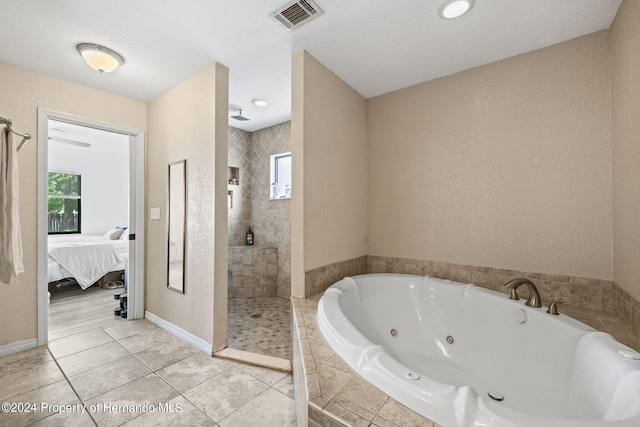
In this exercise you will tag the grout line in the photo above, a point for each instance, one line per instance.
(198, 409)
(71, 385)
(246, 403)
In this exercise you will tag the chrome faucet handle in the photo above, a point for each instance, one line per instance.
(514, 295)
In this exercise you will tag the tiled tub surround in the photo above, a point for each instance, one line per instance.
(319, 279)
(330, 393)
(592, 297)
(327, 391)
(253, 271)
(627, 309)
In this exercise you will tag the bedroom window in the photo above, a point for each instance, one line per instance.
(64, 203)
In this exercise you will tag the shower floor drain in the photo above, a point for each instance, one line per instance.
(256, 316)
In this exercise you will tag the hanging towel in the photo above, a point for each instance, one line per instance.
(10, 239)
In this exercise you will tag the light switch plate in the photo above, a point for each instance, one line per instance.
(154, 213)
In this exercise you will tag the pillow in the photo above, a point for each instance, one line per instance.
(125, 234)
(112, 234)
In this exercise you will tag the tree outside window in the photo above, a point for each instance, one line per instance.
(64, 203)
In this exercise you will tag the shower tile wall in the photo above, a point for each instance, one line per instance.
(240, 157)
(269, 219)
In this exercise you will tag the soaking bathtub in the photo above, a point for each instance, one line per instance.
(462, 355)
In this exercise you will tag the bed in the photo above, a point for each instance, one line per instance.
(85, 258)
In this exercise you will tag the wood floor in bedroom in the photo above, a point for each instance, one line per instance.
(79, 311)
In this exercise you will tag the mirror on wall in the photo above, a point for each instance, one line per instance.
(280, 176)
(176, 225)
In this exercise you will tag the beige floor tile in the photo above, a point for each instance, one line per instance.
(92, 358)
(58, 393)
(76, 343)
(107, 377)
(24, 360)
(130, 400)
(193, 370)
(265, 375)
(270, 409)
(285, 386)
(224, 393)
(128, 328)
(166, 354)
(26, 380)
(178, 413)
(66, 419)
(146, 340)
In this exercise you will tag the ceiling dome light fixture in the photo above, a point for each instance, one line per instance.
(100, 58)
(260, 102)
(452, 9)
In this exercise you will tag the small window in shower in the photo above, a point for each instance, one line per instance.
(280, 176)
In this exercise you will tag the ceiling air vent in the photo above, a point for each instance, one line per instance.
(296, 13)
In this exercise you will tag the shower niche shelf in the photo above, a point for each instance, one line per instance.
(234, 175)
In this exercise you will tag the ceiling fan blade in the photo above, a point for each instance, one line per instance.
(70, 142)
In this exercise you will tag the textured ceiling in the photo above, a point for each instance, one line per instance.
(376, 46)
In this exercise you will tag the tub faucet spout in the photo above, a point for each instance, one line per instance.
(534, 299)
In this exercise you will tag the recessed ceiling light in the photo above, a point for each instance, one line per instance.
(100, 58)
(452, 9)
(260, 102)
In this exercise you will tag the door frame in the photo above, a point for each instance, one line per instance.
(136, 213)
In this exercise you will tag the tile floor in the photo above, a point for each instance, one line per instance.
(135, 374)
(260, 325)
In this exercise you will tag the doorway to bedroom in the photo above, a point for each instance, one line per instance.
(89, 222)
(87, 228)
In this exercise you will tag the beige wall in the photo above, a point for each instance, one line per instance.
(329, 154)
(625, 114)
(23, 92)
(187, 122)
(506, 165)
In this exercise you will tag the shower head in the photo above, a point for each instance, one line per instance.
(240, 116)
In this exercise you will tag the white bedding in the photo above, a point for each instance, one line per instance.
(85, 258)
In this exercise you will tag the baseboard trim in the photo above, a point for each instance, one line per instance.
(179, 332)
(18, 346)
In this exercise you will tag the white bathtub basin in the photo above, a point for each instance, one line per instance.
(440, 347)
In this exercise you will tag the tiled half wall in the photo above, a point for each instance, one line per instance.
(573, 292)
(253, 271)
